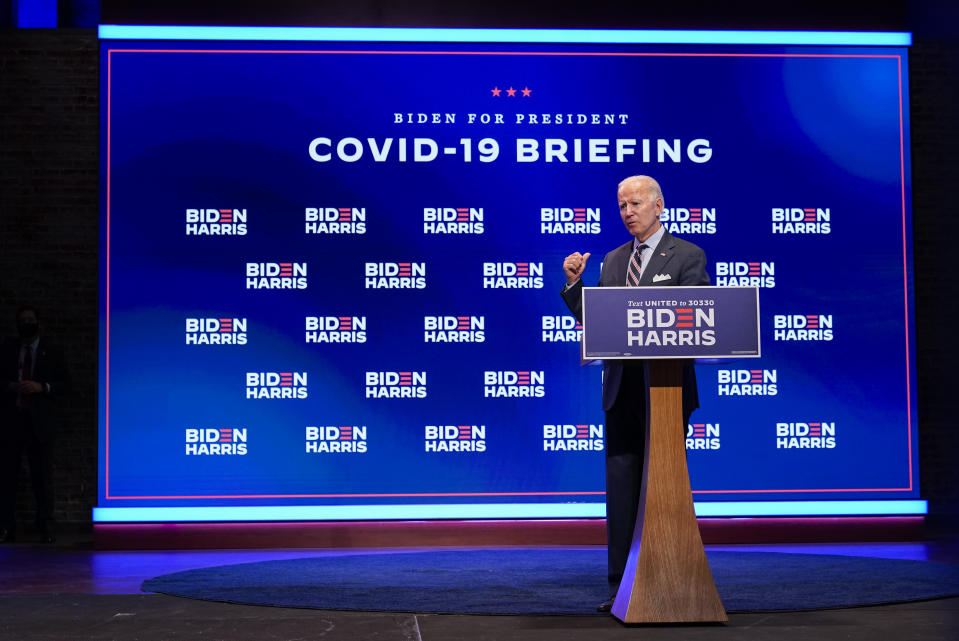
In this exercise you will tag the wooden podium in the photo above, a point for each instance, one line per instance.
(667, 577)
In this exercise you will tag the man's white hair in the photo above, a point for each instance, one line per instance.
(648, 181)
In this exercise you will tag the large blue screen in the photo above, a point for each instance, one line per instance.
(330, 272)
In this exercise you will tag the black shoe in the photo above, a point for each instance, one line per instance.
(606, 605)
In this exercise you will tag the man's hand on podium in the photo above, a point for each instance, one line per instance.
(574, 265)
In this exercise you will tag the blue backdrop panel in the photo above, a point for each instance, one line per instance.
(330, 272)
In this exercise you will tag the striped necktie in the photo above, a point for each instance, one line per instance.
(634, 270)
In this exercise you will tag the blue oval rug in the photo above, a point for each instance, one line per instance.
(548, 581)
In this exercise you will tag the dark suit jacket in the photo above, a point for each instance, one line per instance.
(684, 263)
(49, 367)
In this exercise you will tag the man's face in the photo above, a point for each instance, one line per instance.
(638, 209)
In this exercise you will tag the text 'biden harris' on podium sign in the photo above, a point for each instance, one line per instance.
(670, 322)
(667, 578)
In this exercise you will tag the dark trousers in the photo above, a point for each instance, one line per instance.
(625, 458)
(19, 436)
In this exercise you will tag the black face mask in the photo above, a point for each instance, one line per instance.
(28, 331)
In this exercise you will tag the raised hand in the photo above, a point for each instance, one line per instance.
(574, 265)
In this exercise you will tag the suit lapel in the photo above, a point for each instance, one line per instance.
(617, 265)
(661, 255)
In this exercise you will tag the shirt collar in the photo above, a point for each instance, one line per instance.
(653, 241)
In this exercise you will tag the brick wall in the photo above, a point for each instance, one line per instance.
(49, 218)
(49, 141)
(934, 86)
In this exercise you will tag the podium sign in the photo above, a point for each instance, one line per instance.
(667, 577)
(670, 322)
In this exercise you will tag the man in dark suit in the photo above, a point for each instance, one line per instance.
(33, 376)
(654, 257)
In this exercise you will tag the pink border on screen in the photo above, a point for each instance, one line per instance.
(902, 183)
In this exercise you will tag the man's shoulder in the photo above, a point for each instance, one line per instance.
(626, 247)
(679, 244)
(48, 347)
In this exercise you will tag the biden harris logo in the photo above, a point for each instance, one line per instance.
(395, 275)
(561, 329)
(454, 329)
(336, 329)
(579, 437)
(395, 384)
(746, 274)
(800, 220)
(216, 222)
(336, 439)
(691, 220)
(569, 220)
(455, 438)
(806, 436)
(276, 275)
(702, 436)
(216, 331)
(802, 327)
(335, 221)
(671, 325)
(512, 275)
(223, 441)
(286, 385)
(514, 384)
(453, 220)
(747, 382)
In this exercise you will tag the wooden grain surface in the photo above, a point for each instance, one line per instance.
(667, 577)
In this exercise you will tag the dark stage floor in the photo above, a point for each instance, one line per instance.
(69, 591)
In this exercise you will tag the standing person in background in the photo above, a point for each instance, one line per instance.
(33, 375)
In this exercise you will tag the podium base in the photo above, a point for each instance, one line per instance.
(667, 577)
